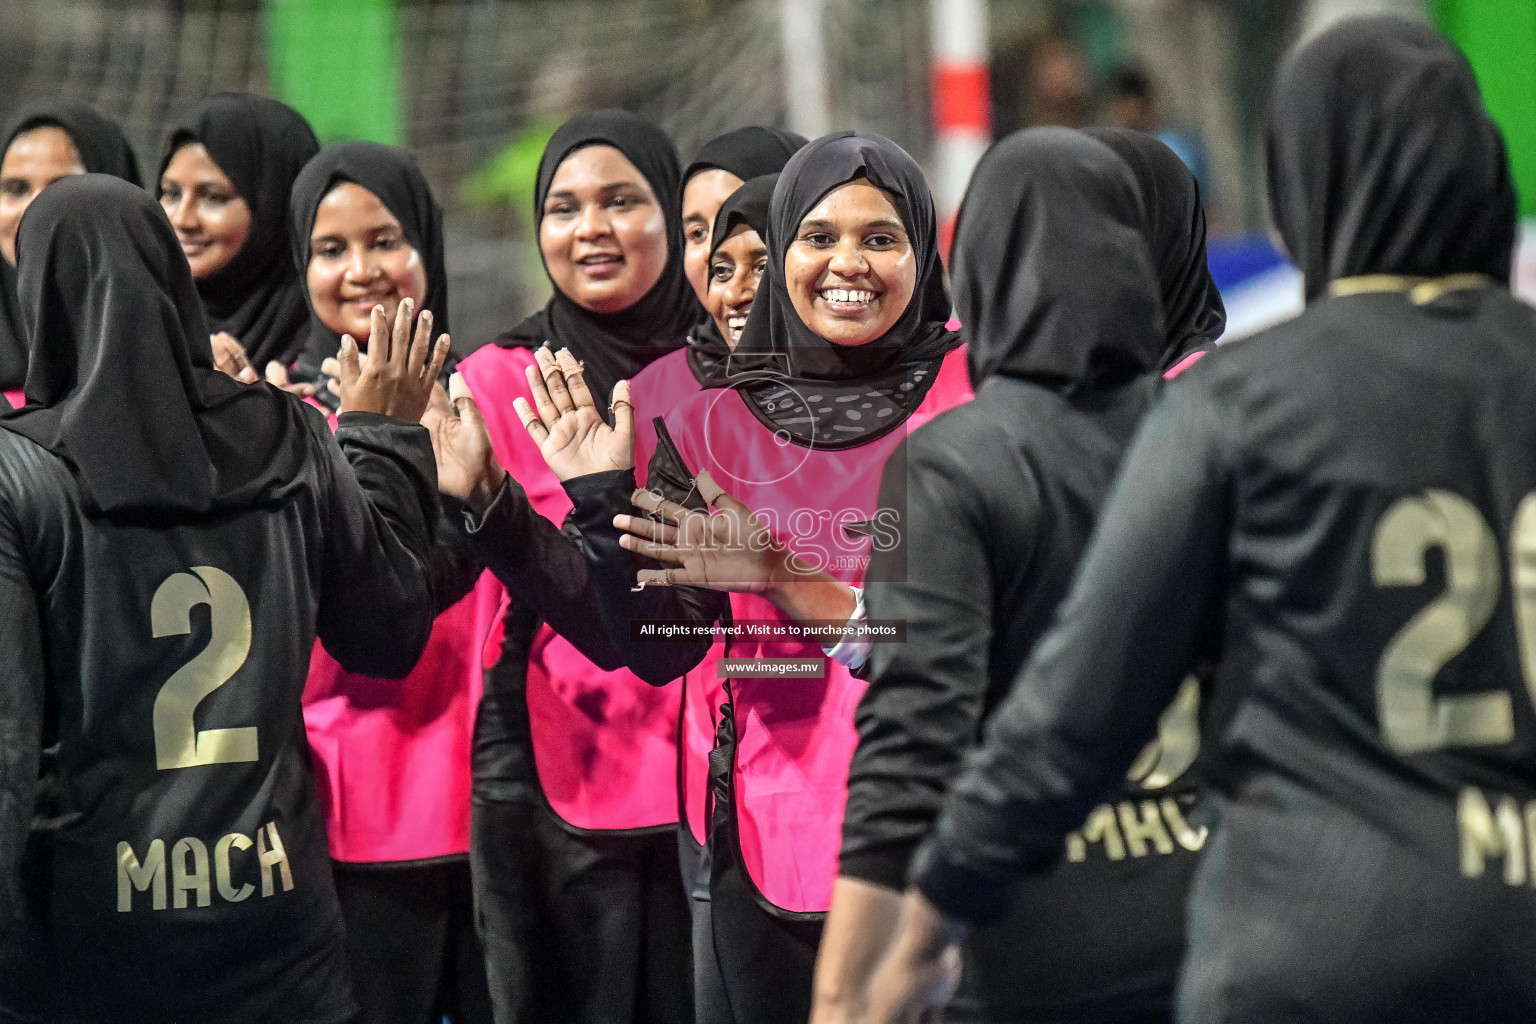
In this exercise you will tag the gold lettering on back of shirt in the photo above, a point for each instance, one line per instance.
(194, 878)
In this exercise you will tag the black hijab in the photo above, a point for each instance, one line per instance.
(801, 385)
(103, 150)
(747, 205)
(1383, 160)
(121, 384)
(261, 145)
(708, 352)
(393, 176)
(614, 346)
(1053, 278)
(748, 153)
(1193, 313)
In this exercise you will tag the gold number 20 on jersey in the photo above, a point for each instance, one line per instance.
(178, 741)
(1413, 720)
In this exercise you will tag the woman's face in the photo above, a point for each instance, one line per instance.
(851, 270)
(603, 236)
(703, 196)
(735, 270)
(34, 160)
(359, 259)
(211, 219)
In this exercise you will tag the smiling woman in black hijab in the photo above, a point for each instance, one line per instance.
(1057, 290)
(720, 168)
(81, 142)
(1193, 313)
(614, 344)
(402, 246)
(845, 347)
(256, 146)
(1306, 509)
(575, 819)
(792, 360)
(146, 497)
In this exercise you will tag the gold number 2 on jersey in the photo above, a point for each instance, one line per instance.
(1413, 720)
(178, 742)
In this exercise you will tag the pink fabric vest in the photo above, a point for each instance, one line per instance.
(666, 383)
(604, 743)
(795, 738)
(18, 398)
(392, 756)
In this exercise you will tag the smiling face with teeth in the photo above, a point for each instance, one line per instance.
(734, 272)
(602, 233)
(850, 270)
(360, 258)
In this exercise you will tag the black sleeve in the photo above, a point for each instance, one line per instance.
(545, 568)
(454, 570)
(22, 678)
(596, 499)
(383, 512)
(1091, 694)
(926, 697)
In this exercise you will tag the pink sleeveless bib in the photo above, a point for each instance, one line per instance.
(604, 743)
(392, 756)
(795, 738)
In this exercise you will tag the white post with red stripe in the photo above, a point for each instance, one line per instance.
(962, 100)
(805, 66)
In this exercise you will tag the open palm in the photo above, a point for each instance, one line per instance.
(571, 433)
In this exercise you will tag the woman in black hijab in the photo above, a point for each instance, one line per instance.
(1193, 313)
(721, 167)
(1308, 509)
(1059, 299)
(394, 754)
(43, 141)
(844, 350)
(404, 240)
(224, 180)
(165, 532)
(715, 177)
(575, 812)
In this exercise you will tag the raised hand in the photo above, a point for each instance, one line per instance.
(401, 369)
(570, 432)
(466, 466)
(229, 358)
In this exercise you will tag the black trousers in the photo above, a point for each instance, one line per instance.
(411, 943)
(751, 966)
(579, 927)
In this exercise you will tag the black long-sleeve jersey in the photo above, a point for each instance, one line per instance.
(1001, 495)
(1350, 500)
(178, 868)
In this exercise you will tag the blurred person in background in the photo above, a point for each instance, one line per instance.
(1042, 80)
(45, 140)
(392, 755)
(575, 817)
(225, 176)
(1341, 512)
(1132, 102)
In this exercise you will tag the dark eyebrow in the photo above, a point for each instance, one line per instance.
(888, 225)
(822, 224)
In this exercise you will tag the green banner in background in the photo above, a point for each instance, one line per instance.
(1499, 38)
(337, 62)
